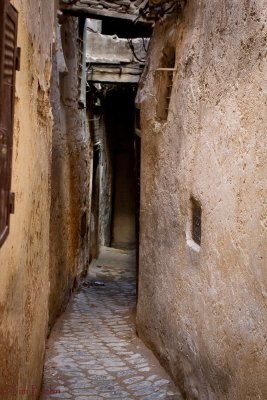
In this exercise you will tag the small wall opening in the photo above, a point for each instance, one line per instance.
(196, 221)
(164, 78)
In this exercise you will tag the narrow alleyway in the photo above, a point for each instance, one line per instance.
(93, 351)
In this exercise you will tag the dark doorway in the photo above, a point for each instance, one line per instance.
(119, 108)
(114, 191)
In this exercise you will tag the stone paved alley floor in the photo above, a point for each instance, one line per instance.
(93, 351)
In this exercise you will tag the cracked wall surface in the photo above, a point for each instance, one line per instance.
(203, 308)
(24, 257)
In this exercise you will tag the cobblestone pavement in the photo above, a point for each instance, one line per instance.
(93, 351)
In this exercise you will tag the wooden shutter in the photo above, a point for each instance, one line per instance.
(8, 50)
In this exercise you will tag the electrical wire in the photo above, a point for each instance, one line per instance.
(130, 42)
(144, 45)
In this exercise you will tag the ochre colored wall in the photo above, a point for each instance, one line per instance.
(71, 169)
(204, 310)
(24, 257)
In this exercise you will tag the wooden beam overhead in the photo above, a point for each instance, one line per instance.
(92, 11)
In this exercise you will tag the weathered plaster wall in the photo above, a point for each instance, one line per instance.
(106, 187)
(24, 258)
(203, 310)
(71, 166)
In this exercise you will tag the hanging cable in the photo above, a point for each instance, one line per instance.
(130, 42)
(144, 45)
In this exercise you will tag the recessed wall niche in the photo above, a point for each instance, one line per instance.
(196, 221)
(164, 79)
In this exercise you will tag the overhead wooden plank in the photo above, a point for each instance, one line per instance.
(91, 12)
(114, 74)
(114, 78)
